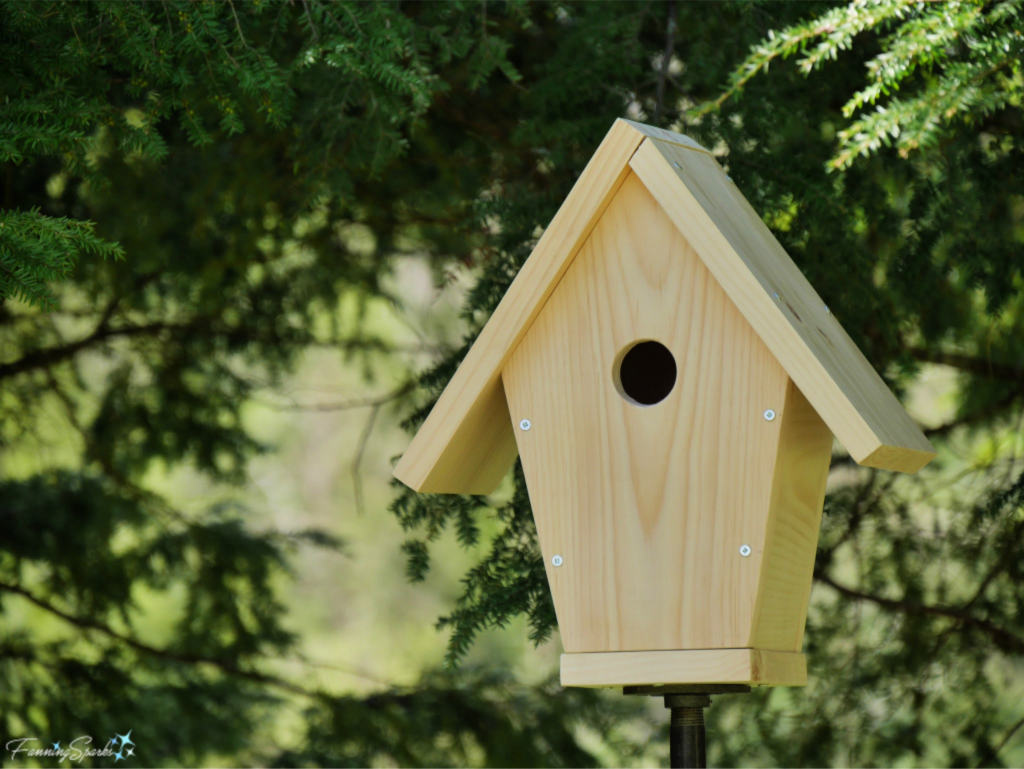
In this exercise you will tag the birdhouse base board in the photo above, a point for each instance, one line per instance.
(757, 667)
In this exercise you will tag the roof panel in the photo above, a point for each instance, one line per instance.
(782, 306)
(466, 445)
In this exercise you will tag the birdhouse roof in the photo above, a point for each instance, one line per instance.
(467, 443)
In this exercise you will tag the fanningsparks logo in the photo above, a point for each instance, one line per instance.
(120, 747)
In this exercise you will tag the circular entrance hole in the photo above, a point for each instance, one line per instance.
(646, 373)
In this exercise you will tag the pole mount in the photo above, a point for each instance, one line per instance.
(686, 728)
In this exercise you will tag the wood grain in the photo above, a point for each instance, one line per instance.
(671, 137)
(812, 346)
(465, 445)
(756, 667)
(794, 519)
(648, 506)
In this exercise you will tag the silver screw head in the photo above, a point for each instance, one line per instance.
(525, 424)
(556, 560)
(744, 550)
(676, 164)
(777, 297)
(769, 414)
(827, 310)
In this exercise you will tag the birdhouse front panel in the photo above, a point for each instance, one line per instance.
(653, 416)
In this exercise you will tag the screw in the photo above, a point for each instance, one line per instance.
(744, 550)
(728, 177)
(556, 560)
(676, 165)
(777, 297)
(769, 414)
(827, 310)
(525, 424)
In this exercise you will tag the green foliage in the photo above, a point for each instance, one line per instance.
(229, 151)
(37, 250)
(477, 719)
(93, 85)
(508, 581)
(65, 552)
(958, 63)
(920, 261)
(913, 643)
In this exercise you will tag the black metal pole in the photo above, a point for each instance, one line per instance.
(686, 730)
(686, 727)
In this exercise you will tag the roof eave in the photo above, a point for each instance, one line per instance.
(466, 445)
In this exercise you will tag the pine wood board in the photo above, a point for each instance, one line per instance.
(794, 520)
(664, 135)
(757, 667)
(647, 506)
(752, 267)
(465, 445)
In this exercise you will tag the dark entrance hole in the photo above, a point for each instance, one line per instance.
(646, 374)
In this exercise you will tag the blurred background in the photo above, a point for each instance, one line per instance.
(244, 245)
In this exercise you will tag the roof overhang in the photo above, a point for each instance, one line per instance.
(467, 443)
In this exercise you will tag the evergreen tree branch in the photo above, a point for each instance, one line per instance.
(666, 60)
(867, 497)
(189, 659)
(951, 56)
(979, 366)
(998, 408)
(347, 405)
(1002, 638)
(357, 459)
(51, 356)
(1008, 736)
(994, 410)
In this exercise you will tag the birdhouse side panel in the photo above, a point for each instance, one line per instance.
(794, 520)
(655, 513)
(480, 471)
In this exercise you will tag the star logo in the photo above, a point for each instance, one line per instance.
(119, 742)
(56, 745)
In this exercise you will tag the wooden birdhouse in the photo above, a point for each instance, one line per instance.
(672, 383)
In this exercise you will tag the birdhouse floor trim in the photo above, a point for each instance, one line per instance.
(756, 667)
